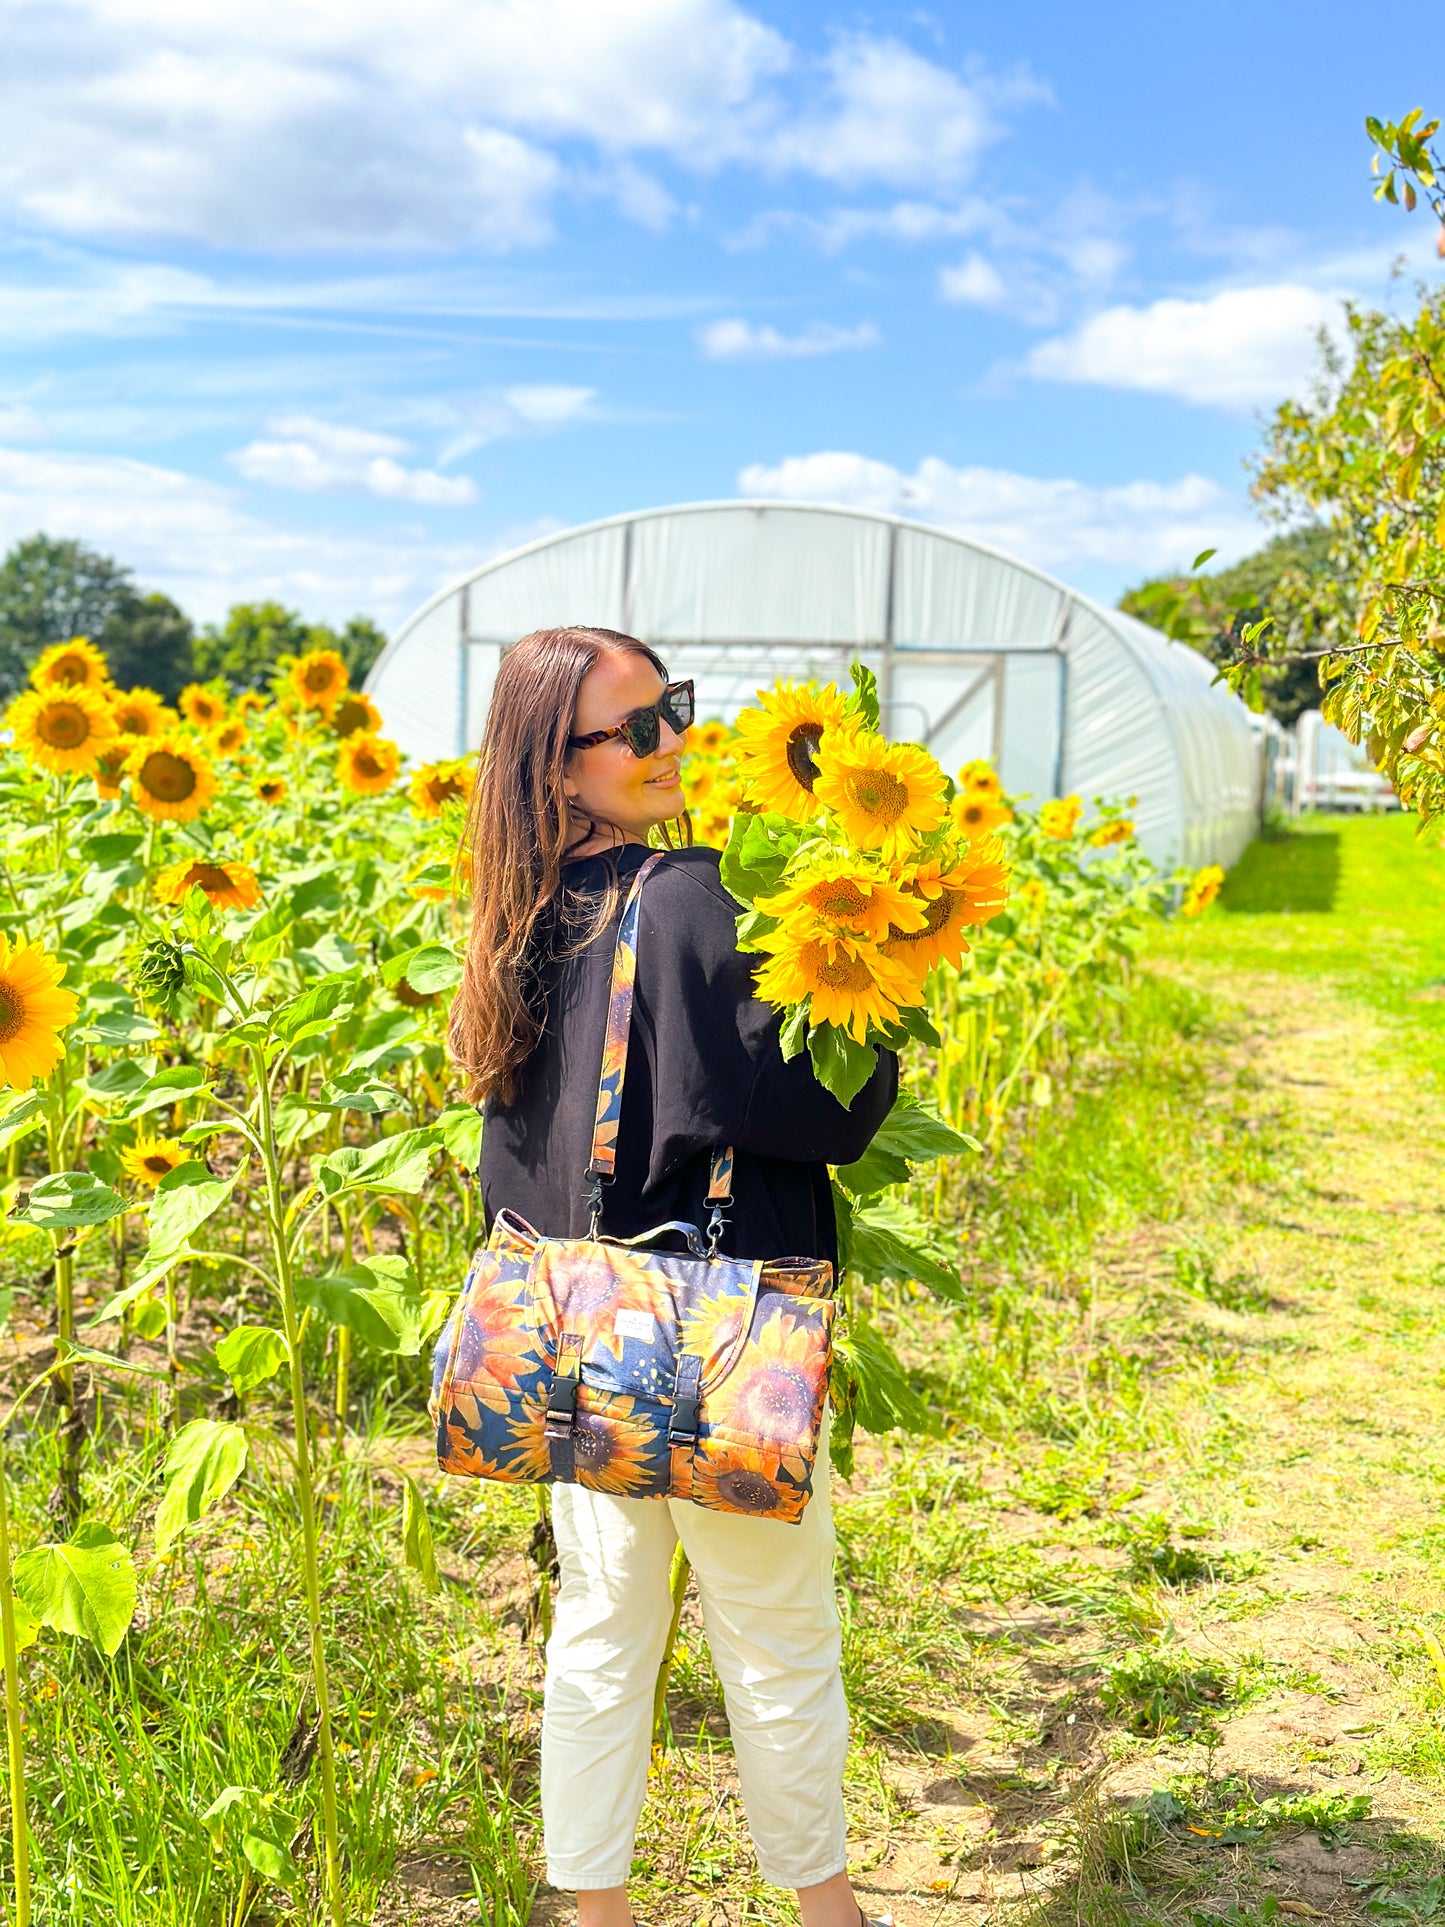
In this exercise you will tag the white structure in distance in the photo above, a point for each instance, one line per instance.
(976, 655)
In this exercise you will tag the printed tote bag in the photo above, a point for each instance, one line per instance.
(646, 1373)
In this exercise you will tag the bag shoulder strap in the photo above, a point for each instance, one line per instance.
(602, 1164)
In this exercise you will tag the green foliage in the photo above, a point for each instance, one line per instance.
(67, 1200)
(205, 1460)
(52, 591)
(147, 641)
(1162, 1689)
(247, 648)
(85, 1588)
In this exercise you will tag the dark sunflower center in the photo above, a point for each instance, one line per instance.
(319, 677)
(349, 717)
(841, 972)
(271, 792)
(748, 1491)
(877, 793)
(443, 788)
(802, 752)
(367, 766)
(157, 1163)
(71, 672)
(12, 1012)
(170, 778)
(210, 876)
(64, 725)
(776, 1403)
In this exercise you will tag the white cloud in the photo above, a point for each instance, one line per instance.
(737, 340)
(974, 282)
(1242, 348)
(316, 455)
(284, 123)
(1130, 529)
(192, 539)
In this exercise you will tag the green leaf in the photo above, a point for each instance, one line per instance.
(265, 1828)
(460, 1130)
(113, 1029)
(24, 1115)
(875, 1380)
(1200, 559)
(317, 1007)
(121, 1079)
(911, 1133)
(184, 1199)
(68, 1199)
(757, 853)
(429, 969)
(251, 1354)
(840, 1063)
(889, 1239)
(205, 1460)
(865, 693)
(85, 1588)
(358, 1090)
(399, 1163)
(793, 1037)
(417, 1548)
(170, 1086)
(378, 1301)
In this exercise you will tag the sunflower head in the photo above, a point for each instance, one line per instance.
(76, 664)
(436, 784)
(170, 778)
(1202, 890)
(33, 1012)
(976, 814)
(710, 738)
(139, 712)
(1118, 829)
(846, 895)
(367, 764)
(203, 708)
(846, 981)
(318, 679)
(62, 729)
(271, 790)
(250, 702)
(778, 743)
(953, 894)
(883, 796)
(979, 778)
(1059, 818)
(229, 740)
(354, 711)
(109, 768)
(150, 1159)
(160, 972)
(230, 886)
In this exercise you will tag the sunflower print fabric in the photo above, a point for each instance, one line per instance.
(761, 1332)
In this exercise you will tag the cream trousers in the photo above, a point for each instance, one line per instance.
(772, 1626)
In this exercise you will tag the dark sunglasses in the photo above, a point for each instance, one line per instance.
(642, 732)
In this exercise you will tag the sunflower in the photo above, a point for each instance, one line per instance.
(436, 784)
(974, 889)
(354, 712)
(230, 886)
(1117, 830)
(110, 768)
(1202, 890)
(773, 1395)
(250, 702)
(713, 827)
(777, 745)
(149, 1159)
(848, 982)
(319, 678)
(729, 1478)
(846, 896)
(62, 729)
(709, 738)
(1060, 818)
(884, 795)
(977, 814)
(367, 764)
(497, 1351)
(271, 790)
(201, 706)
(33, 1011)
(229, 739)
(979, 778)
(76, 664)
(170, 779)
(140, 712)
(611, 1440)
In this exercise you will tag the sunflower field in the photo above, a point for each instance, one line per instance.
(239, 1189)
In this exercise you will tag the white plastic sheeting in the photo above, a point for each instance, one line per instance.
(976, 655)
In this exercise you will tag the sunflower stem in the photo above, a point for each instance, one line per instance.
(305, 1493)
(10, 1645)
(677, 1585)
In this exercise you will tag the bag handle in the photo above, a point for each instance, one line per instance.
(602, 1164)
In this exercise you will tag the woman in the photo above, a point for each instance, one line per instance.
(579, 765)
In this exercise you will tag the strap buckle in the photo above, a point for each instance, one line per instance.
(686, 1401)
(562, 1392)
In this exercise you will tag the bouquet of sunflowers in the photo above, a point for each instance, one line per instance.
(861, 867)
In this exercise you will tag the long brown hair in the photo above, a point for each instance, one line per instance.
(519, 830)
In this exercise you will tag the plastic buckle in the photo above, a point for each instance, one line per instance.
(682, 1429)
(561, 1406)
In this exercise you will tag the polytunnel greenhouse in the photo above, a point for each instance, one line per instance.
(976, 655)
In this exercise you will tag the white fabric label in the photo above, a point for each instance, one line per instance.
(635, 1324)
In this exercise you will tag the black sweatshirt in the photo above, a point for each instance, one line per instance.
(705, 1069)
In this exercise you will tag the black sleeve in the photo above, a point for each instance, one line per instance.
(717, 1070)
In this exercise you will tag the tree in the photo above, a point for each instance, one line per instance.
(1211, 612)
(246, 648)
(50, 590)
(147, 642)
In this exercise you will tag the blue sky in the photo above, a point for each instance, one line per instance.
(328, 302)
